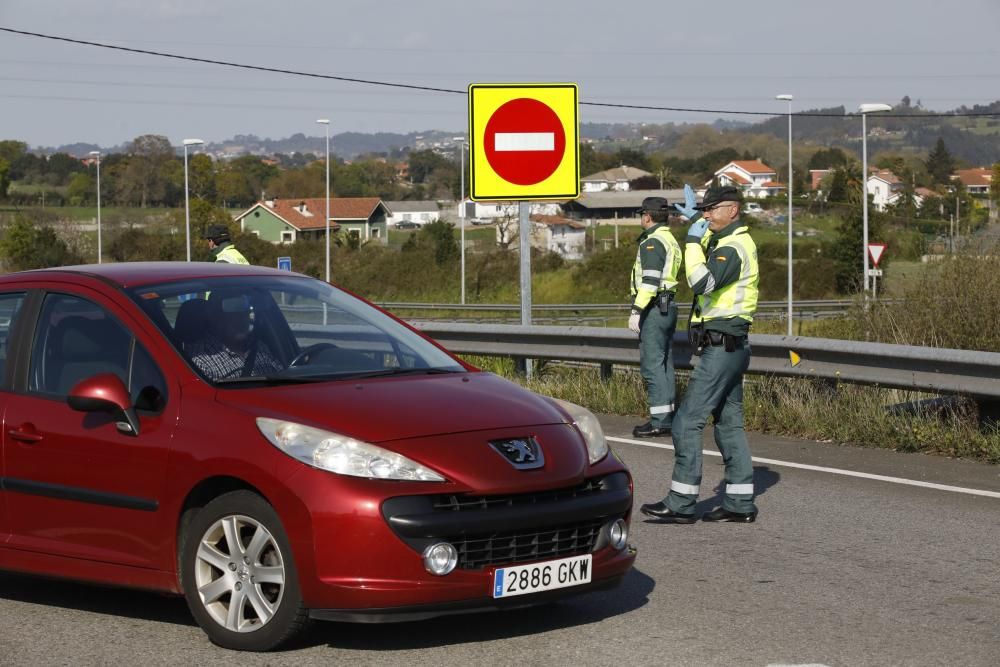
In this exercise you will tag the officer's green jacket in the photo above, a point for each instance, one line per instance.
(723, 274)
(227, 252)
(657, 262)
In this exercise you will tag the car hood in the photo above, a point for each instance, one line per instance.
(396, 408)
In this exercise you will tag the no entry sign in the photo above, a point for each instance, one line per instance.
(523, 141)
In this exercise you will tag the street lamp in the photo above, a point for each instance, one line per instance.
(789, 98)
(866, 109)
(461, 206)
(97, 156)
(187, 203)
(325, 122)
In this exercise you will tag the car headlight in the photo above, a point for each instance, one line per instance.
(340, 454)
(593, 434)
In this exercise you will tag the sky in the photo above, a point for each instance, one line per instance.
(691, 54)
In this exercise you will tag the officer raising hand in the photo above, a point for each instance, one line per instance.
(722, 272)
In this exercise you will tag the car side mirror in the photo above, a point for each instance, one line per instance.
(105, 392)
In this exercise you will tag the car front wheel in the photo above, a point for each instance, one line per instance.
(238, 574)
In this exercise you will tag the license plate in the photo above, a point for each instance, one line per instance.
(537, 577)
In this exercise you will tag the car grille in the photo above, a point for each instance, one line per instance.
(479, 503)
(509, 548)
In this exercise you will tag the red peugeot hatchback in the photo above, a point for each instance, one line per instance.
(276, 450)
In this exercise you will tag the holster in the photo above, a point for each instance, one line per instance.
(663, 301)
(696, 336)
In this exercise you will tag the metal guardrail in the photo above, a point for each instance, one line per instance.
(931, 370)
(596, 314)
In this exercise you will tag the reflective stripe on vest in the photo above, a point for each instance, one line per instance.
(667, 278)
(738, 298)
(231, 255)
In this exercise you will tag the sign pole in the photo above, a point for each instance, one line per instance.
(524, 231)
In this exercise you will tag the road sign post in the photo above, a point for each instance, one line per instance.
(524, 145)
(284, 263)
(875, 251)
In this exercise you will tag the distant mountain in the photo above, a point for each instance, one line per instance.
(975, 140)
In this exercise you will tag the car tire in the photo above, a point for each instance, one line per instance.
(260, 572)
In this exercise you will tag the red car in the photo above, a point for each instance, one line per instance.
(276, 449)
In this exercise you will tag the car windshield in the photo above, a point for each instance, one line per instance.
(278, 329)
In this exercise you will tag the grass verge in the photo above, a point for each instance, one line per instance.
(809, 409)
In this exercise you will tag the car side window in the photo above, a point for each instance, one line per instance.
(10, 306)
(76, 339)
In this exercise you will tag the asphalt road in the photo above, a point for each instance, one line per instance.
(838, 570)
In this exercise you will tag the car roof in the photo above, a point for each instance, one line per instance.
(134, 274)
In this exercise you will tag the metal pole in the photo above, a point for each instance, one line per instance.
(327, 126)
(524, 228)
(98, 208)
(789, 217)
(864, 196)
(187, 206)
(461, 212)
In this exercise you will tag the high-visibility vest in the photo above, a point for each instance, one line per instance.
(667, 277)
(738, 298)
(231, 255)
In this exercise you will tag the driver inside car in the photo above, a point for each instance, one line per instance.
(231, 349)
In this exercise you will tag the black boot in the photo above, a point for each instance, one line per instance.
(647, 430)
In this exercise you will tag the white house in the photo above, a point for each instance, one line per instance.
(612, 179)
(495, 210)
(553, 233)
(753, 177)
(417, 211)
(884, 187)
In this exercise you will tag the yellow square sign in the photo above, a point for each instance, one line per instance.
(523, 141)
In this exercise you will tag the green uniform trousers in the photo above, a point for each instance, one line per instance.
(715, 388)
(656, 363)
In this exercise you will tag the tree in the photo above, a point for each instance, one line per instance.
(4, 180)
(26, 245)
(994, 184)
(441, 235)
(143, 180)
(940, 163)
(828, 158)
(81, 189)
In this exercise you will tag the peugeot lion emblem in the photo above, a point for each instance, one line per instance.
(522, 453)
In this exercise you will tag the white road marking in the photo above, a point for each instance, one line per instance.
(832, 471)
(524, 141)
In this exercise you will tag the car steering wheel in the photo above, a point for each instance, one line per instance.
(302, 358)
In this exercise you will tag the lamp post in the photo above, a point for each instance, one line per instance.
(789, 98)
(187, 203)
(461, 207)
(866, 109)
(97, 156)
(325, 122)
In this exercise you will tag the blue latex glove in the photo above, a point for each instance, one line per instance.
(697, 230)
(688, 210)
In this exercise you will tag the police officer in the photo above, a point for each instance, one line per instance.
(721, 268)
(654, 313)
(222, 246)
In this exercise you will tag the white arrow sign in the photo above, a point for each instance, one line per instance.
(875, 250)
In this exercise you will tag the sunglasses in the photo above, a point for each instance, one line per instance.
(712, 208)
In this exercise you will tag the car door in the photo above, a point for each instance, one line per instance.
(75, 484)
(10, 307)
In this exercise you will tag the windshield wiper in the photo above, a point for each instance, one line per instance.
(272, 379)
(401, 371)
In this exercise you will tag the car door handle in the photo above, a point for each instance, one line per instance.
(24, 436)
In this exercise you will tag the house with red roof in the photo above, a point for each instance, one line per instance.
(977, 180)
(753, 177)
(288, 220)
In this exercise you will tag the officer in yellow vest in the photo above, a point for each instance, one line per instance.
(723, 273)
(654, 313)
(222, 246)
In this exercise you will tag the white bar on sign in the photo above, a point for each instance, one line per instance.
(524, 141)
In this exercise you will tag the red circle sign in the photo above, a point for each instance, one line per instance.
(524, 141)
